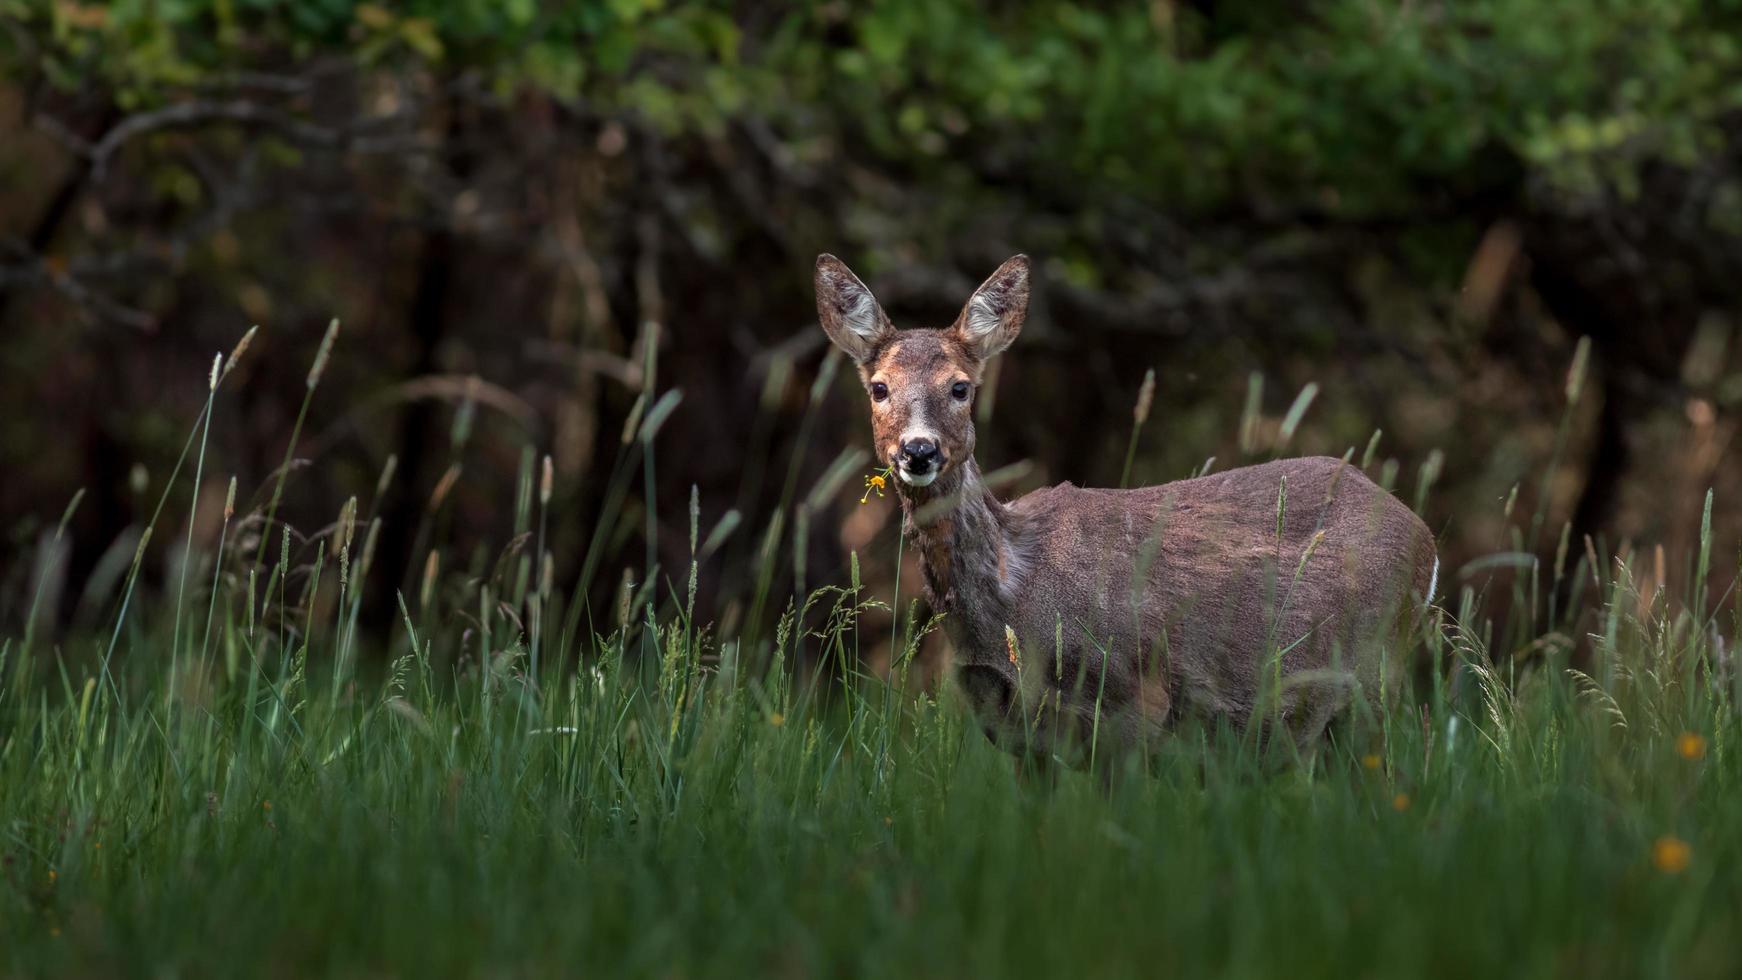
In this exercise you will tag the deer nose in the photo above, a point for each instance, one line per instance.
(921, 455)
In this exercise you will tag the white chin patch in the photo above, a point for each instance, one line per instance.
(912, 480)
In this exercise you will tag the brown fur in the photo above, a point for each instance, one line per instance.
(1134, 609)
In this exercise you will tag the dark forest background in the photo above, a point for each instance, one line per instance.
(517, 208)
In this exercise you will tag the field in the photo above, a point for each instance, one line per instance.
(230, 781)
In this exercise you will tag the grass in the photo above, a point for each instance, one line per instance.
(655, 800)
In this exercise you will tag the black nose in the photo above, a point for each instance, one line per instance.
(922, 455)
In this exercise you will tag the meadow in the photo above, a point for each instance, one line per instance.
(231, 778)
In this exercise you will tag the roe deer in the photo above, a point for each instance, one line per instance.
(1277, 593)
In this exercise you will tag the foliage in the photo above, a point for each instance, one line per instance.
(641, 821)
(1356, 109)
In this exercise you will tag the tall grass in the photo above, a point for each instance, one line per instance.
(634, 793)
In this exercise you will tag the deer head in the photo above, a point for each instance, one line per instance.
(921, 382)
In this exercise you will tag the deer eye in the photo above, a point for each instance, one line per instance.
(960, 391)
(879, 391)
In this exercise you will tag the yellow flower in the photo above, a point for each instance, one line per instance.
(1370, 761)
(777, 719)
(1400, 802)
(52, 876)
(1671, 855)
(265, 804)
(876, 483)
(1690, 746)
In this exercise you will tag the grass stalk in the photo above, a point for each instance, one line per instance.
(313, 381)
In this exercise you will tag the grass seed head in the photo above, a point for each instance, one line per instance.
(443, 487)
(387, 470)
(1576, 373)
(369, 541)
(1145, 398)
(321, 355)
(625, 596)
(237, 352)
(432, 567)
(344, 529)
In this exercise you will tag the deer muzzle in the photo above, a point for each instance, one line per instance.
(919, 462)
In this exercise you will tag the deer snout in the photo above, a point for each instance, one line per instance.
(919, 461)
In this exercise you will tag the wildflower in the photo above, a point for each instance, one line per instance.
(876, 482)
(1671, 855)
(777, 719)
(52, 876)
(266, 805)
(1400, 802)
(1370, 761)
(1690, 746)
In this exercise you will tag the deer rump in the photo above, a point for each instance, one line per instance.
(1281, 594)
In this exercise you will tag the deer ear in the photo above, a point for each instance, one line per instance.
(994, 314)
(849, 313)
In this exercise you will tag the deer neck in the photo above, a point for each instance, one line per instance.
(966, 540)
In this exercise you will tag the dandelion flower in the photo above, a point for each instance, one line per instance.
(1671, 855)
(1400, 802)
(777, 719)
(1370, 761)
(1690, 746)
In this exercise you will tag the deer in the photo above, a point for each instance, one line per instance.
(1281, 595)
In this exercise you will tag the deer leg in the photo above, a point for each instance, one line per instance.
(1310, 706)
(1035, 768)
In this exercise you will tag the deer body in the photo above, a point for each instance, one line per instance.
(1278, 591)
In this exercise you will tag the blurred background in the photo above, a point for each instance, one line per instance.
(537, 219)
